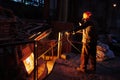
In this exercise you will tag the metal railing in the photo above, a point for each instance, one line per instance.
(40, 48)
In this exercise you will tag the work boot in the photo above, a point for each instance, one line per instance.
(91, 70)
(81, 69)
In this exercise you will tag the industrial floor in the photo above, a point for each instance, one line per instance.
(65, 69)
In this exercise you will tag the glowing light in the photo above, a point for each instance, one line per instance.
(29, 63)
(114, 5)
(17, 0)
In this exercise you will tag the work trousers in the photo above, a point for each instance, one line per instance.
(88, 56)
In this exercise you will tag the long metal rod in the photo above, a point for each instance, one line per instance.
(59, 44)
(35, 61)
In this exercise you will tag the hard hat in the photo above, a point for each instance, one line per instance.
(87, 14)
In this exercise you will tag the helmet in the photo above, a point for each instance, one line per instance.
(87, 14)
